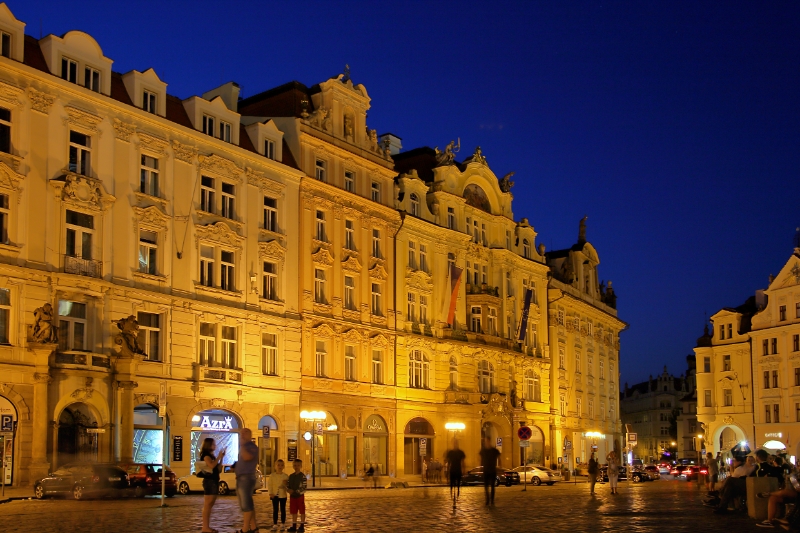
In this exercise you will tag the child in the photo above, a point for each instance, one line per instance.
(277, 493)
(296, 486)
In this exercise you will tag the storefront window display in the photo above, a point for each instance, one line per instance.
(223, 427)
(376, 444)
(148, 437)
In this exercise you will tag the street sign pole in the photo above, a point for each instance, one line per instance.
(162, 412)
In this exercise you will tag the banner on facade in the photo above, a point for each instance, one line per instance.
(454, 280)
(523, 321)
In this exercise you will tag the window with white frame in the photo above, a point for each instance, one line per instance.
(376, 191)
(5, 217)
(350, 181)
(423, 309)
(484, 240)
(69, 70)
(148, 175)
(414, 200)
(321, 355)
(453, 374)
(484, 274)
(560, 317)
(377, 307)
(269, 354)
(269, 289)
(319, 285)
(5, 44)
(350, 363)
(526, 248)
(207, 266)
(321, 170)
(269, 149)
(91, 79)
(602, 411)
(475, 319)
(207, 194)
(563, 405)
(80, 153)
(577, 362)
(423, 257)
(562, 359)
(419, 370)
(150, 334)
(377, 367)
(350, 293)
(411, 310)
(591, 408)
(270, 214)
(149, 101)
(320, 227)
(5, 130)
(537, 388)
(589, 365)
(451, 218)
(227, 280)
(148, 252)
(229, 347)
(491, 322)
(208, 343)
(228, 198)
(225, 131)
(350, 235)
(602, 369)
(529, 385)
(412, 255)
(579, 406)
(208, 125)
(486, 377)
(71, 325)
(5, 316)
(475, 235)
(80, 232)
(376, 243)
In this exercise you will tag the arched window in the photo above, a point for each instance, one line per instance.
(453, 374)
(414, 204)
(419, 370)
(526, 248)
(486, 377)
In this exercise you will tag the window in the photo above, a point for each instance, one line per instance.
(269, 149)
(797, 412)
(208, 125)
(376, 299)
(451, 220)
(730, 331)
(149, 101)
(414, 204)
(563, 405)
(208, 339)
(706, 364)
(602, 411)
(768, 414)
(475, 235)
(270, 214)
(411, 312)
(5, 315)
(227, 200)
(722, 332)
(492, 321)
(207, 200)
(269, 354)
(774, 379)
(797, 377)
(561, 358)
(71, 325)
(226, 274)
(376, 243)
(509, 285)
(423, 257)
(5, 44)
(225, 131)
(776, 414)
(376, 191)
(349, 235)
(149, 335)
(484, 275)
(423, 309)
(80, 153)
(475, 319)
(602, 369)
(350, 363)
(91, 79)
(529, 385)
(707, 398)
(782, 313)
(591, 408)
(321, 169)
(727, 396)
(148, 175)
(664, 430)
(350, 181)
(349, 293)
(229, 347)
(579, 406)
(148, 251)
(795, 338)
(726, 363)
(590, 365)
(577, 362)
(486, 377)
(321, 233)
(418, 370)
(5, 130)
(207, 266)
(269, 290)
(453, 374)
(320, 359)
(319, 286)
(377, 367)
(797, 310)
(412, 255)
(774, 345)
(69, 70)
(526, 248)
(765, 347)
(560, 317)
(80, 228)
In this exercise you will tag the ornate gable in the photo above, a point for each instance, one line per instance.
(152, 143)
(219, 233)
(82, 119)
(420, 280)
(352, 265)
(322, 258)
(82, 192)
(151, 216)
(222, 166)
(266, 185)
(353, 335)
(271, 250)
(9, 179)
(323, 331)
(379, 340)
(378, 273)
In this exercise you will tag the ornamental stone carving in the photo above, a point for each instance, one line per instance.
(9, 178)
(378, 273)
(10, 94)
(221, 165)
(43, 330)
(271, 249)
(323, 331)
(322, 258)
(184, 152)
(82, 119)
(123, 130)
(267, 186)
(152, 143)
(351, 265)
(40, 101)
(151, 216)
(126, 342)
(82, 191)
(219, 233)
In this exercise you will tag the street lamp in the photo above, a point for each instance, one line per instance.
(455, 427)
(699, 445)
(313, 417)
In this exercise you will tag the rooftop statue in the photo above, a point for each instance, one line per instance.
(478, 156)
(506, 183)
(582, 229)
(449, 155)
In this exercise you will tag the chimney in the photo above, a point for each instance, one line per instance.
(395, 142)
(229, 93)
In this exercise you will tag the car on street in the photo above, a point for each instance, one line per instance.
(664, 468)
(640, 475)
(690, 472)
(504, 477)
(653, 471)
(536, 475)
(227, 482)
(602, 477)
(83, 480)
(675, 471)
(145, 479)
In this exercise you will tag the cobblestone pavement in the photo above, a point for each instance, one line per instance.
(669, 506)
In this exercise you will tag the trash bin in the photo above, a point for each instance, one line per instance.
(566, 475)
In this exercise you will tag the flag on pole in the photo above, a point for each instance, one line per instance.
(454, 279)
(523, 321)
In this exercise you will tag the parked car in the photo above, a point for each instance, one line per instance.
(602, 477)
(536, 475)
(146, 479)
(504, 477)
(83, 480)
(227, 482)
(639, 474)
(690, 472)
(653, 471)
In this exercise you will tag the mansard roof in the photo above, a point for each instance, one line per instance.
(281, 101)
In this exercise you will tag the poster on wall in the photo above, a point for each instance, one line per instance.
(292, 451)
(8, 414)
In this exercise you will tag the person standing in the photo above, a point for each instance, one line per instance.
(246, 479)
(296, 487)
(713, 471)
(489, 455)
(210, 467)
(613, 470)
(424, 470)
(594, 471)
(455, 467)
(276, 485)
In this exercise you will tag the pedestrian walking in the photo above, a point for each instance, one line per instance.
(245, 471)
(296, 487)
(489, 455)
(276, 485)
(369, 476)
(209, 469)
(455, 467)
(613, 470)
(594, 471)
(424, 470)
(713, 471)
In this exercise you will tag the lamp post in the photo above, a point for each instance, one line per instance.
(313, 417)
(699, 445)
(455, 427)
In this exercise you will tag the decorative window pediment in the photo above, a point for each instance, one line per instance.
(352, 265)
(271, 250)
(153, 144)
(219, 233)
(323, 331)
(151, 216)
(9, 178)
(10, 95)
(353, 335)
(222, 166)
(378, 273)
(420, 280)
(82, 191)
(184, 152)
(379, 340)
(322, 258)
(123, 130)
(266, 185)
(82, 119)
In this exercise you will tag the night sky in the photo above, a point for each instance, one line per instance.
(673, 125)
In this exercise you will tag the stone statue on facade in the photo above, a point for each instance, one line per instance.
(506, 183)
(610, 297)
(449, 155)
(582, 229)
(127, 340)
(349, 131)
(43, 330)
(478, 157)
(319, 118)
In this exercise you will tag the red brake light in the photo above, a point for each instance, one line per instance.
(148, 479)
(95, 479)
(704, 471)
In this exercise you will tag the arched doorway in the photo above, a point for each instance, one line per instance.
(77, 435)
(326, 453)
(533, 454)
(268, 446)
(222, 426)
(148, 436)
(8, 422)
(376, 444)
(417, 445)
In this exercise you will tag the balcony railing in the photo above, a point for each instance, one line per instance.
(220, 374)
(83, 267)
(82, 359)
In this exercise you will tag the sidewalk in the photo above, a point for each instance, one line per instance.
(16, 493)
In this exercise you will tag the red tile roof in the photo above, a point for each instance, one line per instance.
(118, 90)
(33, 54)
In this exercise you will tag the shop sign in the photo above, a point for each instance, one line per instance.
(95, 430)
(177, 448)
(216, 424)
(292, 451)
(374, 424)
(773, 435)
(524, 444)
(162, 400)
(499, 442)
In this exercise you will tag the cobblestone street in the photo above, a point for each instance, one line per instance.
(672, 506)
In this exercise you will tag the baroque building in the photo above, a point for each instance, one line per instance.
(206, 264)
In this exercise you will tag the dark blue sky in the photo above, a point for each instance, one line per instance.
(674, 125)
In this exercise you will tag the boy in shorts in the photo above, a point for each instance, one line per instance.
(296, 487)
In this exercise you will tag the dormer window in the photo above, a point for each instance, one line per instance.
(79, 153)
(69, 70)
(269, 149)
(91, 79)
(225, 131)
(149, 101)
(208, 125)
(414, 205)
(321, 170)
(5, 44)
(526, 249)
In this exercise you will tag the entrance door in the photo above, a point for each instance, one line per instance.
(267, 454)
(411, 452)
(75, 442)
(351, 456)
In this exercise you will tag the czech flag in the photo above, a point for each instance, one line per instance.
(454, 276)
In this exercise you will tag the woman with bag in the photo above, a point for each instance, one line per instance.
(209, 470)
(613, 470)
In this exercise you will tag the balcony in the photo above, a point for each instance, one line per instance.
(80, 359)
(83, 267)
(223, 375)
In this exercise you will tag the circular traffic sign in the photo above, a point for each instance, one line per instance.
(524, 433)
